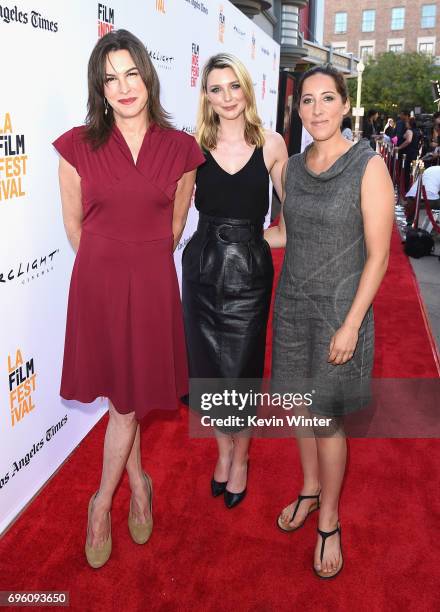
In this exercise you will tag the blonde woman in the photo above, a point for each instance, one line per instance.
(227, 265)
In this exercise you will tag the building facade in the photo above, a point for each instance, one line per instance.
(298, 25)
(370, 27)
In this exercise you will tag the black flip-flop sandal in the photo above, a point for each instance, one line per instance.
(324, 535)
(312, 509)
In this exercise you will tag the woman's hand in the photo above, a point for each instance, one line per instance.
(276, 235)
(343, 344)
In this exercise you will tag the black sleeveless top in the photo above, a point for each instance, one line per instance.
(413, 148)
(242, 195)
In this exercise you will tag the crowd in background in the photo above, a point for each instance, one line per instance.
(413, 138)
(403, 133)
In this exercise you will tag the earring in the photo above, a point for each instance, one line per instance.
(105, 106)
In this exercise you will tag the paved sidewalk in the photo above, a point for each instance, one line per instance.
(427, 271)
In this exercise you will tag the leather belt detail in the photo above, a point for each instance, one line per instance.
(230, 230)
(234, 234)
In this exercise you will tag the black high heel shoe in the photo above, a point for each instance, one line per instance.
(217, 488)
(232, 499)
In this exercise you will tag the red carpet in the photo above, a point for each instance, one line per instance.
(204, 557)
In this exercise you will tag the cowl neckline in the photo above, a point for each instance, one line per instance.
(340, 164)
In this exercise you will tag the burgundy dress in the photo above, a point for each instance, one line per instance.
(124, 332)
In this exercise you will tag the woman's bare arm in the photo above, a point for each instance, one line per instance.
(276, 236)
(407, 138)
(70, 188)
(377, 206)
(182, 202)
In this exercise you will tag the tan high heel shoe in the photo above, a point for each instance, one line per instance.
(141, 532)
(98, 556)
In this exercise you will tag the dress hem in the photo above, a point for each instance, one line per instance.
(139, 416)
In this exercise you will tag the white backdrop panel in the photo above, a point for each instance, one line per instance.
(44, 93)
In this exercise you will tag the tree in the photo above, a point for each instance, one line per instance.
(394, 81)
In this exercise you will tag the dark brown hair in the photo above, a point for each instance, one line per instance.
(99, 124)
(328, 70)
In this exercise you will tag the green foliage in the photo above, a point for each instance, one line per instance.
(394, 81)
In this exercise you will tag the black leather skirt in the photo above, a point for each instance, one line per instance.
(227, 287)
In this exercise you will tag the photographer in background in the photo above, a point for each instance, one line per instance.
(347, 128)
(389, 130)
(431, 181)
(435, 136)
(430, 125)
(410, 147)
(390, 127)
(401, 126)
(370, 131)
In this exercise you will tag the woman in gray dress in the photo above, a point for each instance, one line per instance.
(336, 225)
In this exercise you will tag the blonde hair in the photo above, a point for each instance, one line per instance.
(208, 121)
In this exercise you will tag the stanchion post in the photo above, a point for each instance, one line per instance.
(358, 111)
(415, 224)
(395, 168)
(402, 190)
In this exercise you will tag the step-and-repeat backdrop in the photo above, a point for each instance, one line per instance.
(44, 50)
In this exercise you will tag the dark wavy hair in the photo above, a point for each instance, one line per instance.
(328, 70)
(99, 124)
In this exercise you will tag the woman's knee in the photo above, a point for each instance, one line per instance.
(124, 420)
(333, 428)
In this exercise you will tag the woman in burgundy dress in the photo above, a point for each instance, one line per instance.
(126, 180)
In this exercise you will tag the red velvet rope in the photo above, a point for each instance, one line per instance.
(388, 159)
(385, 156)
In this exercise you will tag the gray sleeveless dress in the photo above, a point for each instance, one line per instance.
(324, 258)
